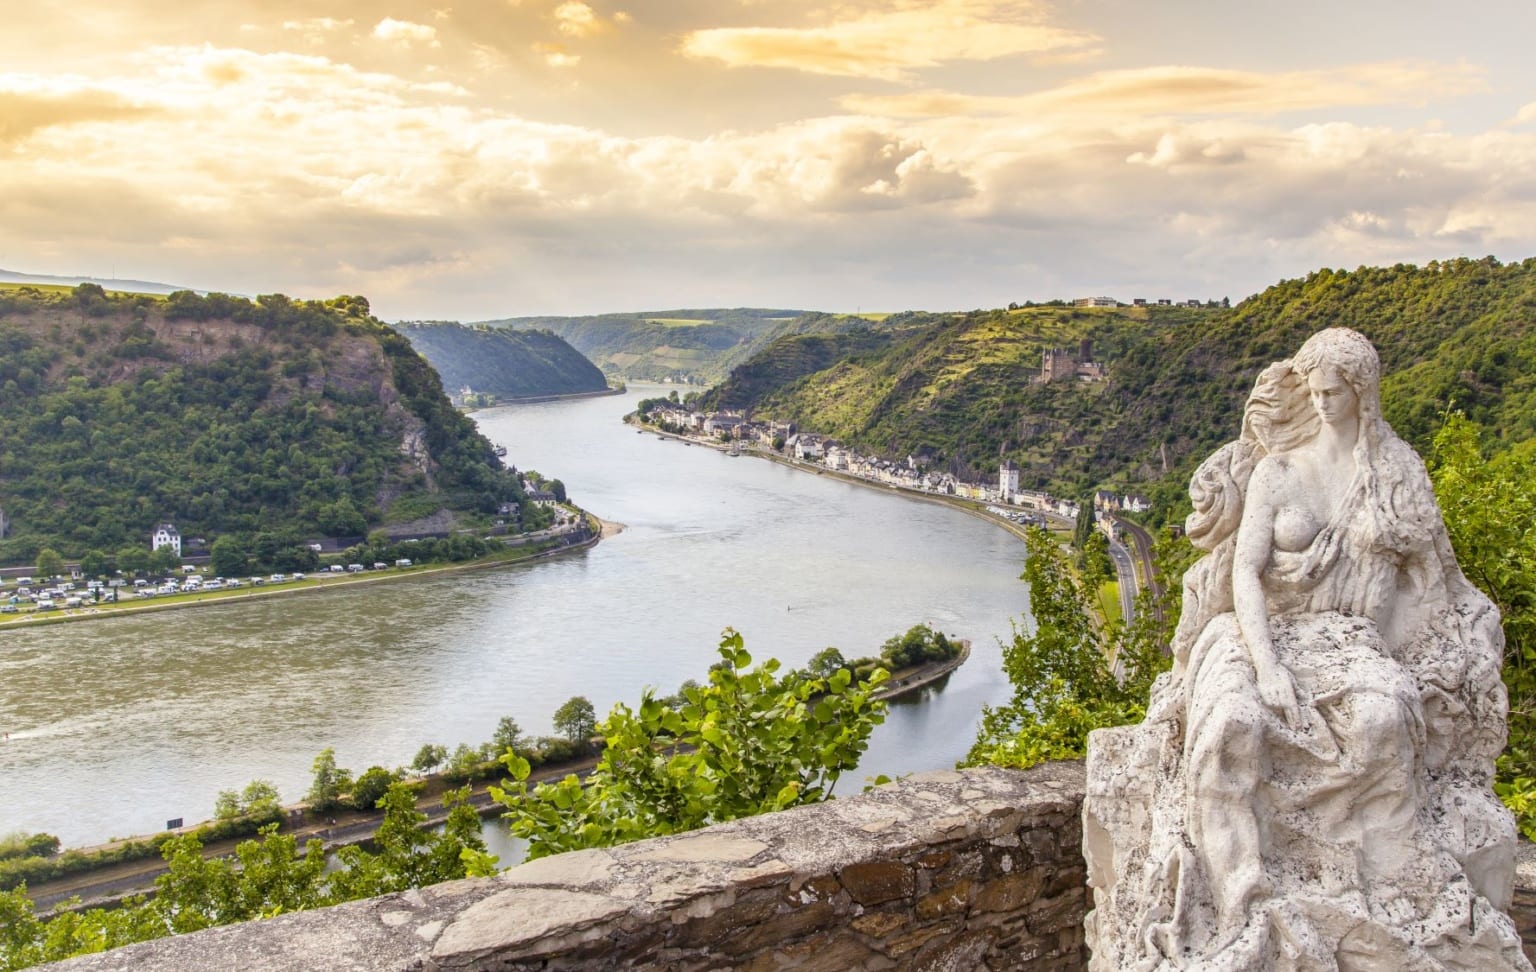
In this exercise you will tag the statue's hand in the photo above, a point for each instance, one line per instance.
(1278, 690)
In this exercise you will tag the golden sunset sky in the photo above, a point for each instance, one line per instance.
(469, 160)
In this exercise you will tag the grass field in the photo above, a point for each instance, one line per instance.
(1109, 603)
(66, 288)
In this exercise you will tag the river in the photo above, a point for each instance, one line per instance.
(120, 724)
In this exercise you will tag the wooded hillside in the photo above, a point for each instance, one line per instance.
(501, 362)
(961, 390)
(222, 415)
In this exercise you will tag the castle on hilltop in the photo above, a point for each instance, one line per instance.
(1059, 364)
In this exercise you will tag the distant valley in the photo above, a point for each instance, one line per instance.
(501, 363)
(696, 346)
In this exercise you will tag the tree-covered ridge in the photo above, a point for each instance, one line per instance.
(222, 415)
(960, 390)
(685, 344)
(503, 363)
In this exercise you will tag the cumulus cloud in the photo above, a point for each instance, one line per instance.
(575, 19)
(890, 43)
(405, 32)
(258, 171)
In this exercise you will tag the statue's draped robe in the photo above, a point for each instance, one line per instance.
(1380, 843)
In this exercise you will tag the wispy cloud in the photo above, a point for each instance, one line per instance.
(889, 43)
(1180, 90)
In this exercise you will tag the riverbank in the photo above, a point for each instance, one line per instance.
(972, 507)
(1130, 580)
(526, 552)
(540, 399)
(109, 885)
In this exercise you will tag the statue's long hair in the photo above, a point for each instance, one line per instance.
(1278, 418)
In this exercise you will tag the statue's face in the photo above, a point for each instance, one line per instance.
(1333, 398)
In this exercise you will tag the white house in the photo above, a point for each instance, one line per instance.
(806, 446)
(165, 535)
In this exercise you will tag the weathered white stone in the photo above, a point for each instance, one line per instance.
(937, 776)
(1311, 786)
(429, 931)
(517, 917)
(705, 847)
(573, 869)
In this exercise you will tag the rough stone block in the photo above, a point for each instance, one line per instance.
(876, 882)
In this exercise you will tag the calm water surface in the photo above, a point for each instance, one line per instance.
(116, 726)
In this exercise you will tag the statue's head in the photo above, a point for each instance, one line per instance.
(1347, 354)
(1287, 405)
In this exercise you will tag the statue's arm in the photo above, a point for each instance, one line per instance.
(1255, 543)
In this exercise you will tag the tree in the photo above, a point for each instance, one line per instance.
(1097, 567)
(558, 488)
(228, 557)
(749, 742)
(428, 757)
(920, 644)
(49, 563)
(370, 786)
(1490, 514)
(226, 806)
(260, 797)
(576, 720)
(508, 734)
(1064, 672)
(825, 662)
(464, 763)
(133, 560)
(341, 519)
(96, 563)
(164, 560)
(1083, 528)
(330, 782)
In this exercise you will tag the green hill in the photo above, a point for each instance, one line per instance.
(959, 388)
(695, 345)
(223, 415)
(504, 363)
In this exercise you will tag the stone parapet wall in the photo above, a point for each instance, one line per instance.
(980, 869)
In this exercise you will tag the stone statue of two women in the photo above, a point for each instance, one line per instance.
(1311, 788)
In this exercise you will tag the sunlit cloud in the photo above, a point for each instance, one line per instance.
(315, 24)
(405, 32)
(1177, 90)
(556, 55)
(548, 143)
(890, 43)
(575, 19)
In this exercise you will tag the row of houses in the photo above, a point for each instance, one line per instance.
(1153, 302)
(902, 474)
